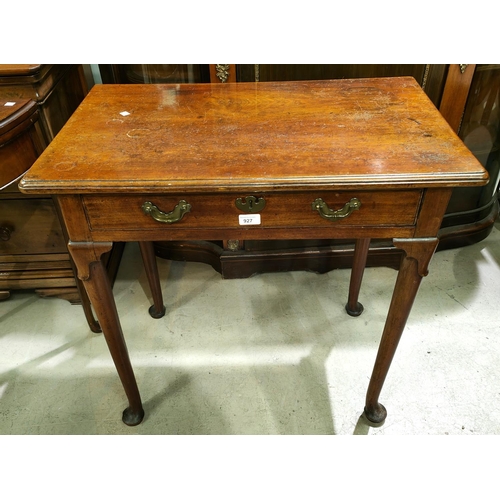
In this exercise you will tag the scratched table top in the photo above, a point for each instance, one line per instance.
(361, 133)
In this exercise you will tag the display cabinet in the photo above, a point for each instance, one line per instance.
(471, 102)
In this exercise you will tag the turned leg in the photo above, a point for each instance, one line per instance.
(353, 307)
(157, 310)
(413, 268)
(95, 278)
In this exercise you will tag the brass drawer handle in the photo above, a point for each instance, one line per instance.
(341, 213)
(183, 207)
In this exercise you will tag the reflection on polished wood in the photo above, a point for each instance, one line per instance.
(378, 140)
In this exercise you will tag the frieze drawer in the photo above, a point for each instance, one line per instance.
(267, 210)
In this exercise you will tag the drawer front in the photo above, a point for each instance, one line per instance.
(30, 226)
(278, 210)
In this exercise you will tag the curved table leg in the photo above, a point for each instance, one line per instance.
(92, 272)
(413, 267)
(87, 308)
(157, 310)
(353, 307)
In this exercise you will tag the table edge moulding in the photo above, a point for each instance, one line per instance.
(348, 159)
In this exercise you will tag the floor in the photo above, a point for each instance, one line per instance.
(272, 354)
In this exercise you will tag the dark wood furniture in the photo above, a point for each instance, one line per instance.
(20, 138)
(33, 244)
(33, 247)
(357, 159)
(470, 104)
(56, 88)
(20, 146)
(34, 254)
(155, 73)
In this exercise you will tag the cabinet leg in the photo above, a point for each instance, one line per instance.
(95, 278)
(413, 268)
(157, 310)
(353, 307)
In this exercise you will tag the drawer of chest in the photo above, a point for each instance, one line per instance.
(30, 226)
(266, 210)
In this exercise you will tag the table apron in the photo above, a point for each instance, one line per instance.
(290, 233)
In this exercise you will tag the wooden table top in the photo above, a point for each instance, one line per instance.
(363, 133)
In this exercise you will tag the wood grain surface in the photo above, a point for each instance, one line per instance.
(380, 132)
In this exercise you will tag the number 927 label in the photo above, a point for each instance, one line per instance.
(249, 220)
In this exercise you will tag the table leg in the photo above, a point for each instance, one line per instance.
(157, 310)
(92, 272)
(87, 308)
(418, 253)
(353, 307)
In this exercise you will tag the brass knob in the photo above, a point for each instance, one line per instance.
(5, 233)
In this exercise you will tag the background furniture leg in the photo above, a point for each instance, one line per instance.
(353, 307)
(157, 310)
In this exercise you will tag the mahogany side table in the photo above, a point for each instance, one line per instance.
(357, 159)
